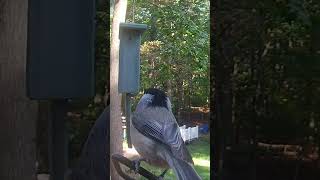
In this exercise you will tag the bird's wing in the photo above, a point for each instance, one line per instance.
(160, 125)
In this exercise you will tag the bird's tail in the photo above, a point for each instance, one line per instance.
(182, 169)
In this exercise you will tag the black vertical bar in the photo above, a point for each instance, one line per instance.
(58, 143)
(128, 118)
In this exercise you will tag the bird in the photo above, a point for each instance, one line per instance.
(156, 136)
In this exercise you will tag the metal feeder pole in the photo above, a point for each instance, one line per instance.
(128, 118)
(58, 142)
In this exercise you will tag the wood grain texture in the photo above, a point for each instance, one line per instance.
(115, 97)
(17, 113)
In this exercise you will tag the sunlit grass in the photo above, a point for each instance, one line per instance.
(200, 151)
(201, 162)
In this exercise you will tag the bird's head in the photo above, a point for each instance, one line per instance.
(156, 98)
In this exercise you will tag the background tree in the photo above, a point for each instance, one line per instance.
(175, 50)
(274, 71)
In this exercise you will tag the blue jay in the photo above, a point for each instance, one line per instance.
(156, 136)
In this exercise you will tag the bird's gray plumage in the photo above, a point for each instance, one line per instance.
(156, 136)
(94, 160)
(162, 129)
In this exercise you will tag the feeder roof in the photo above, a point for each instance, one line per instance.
(133, 26)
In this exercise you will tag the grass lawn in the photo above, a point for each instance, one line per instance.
(200, 151)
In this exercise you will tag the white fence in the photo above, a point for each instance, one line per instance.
(189, 133)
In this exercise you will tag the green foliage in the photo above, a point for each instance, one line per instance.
(175, 49)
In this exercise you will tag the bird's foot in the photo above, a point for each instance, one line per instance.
(161, 176)
(137, 164)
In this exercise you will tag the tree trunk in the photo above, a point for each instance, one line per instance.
(179, 95)
(235, 120)
(17, 113)
(169, 89)
(169, 84)
(190, 89)
(115, 97)
(224, 27)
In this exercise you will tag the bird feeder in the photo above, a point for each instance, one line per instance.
(129, 65)
(60, 52)
(60, 66)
